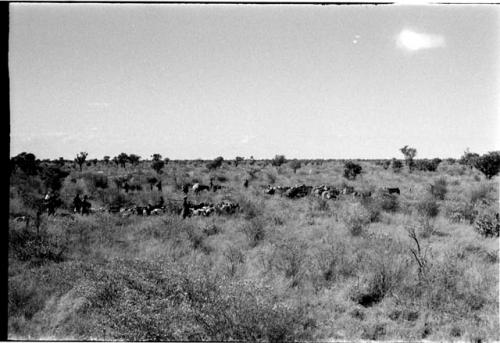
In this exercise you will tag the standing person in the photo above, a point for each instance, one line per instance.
(185, 208)
(77, 204)
(245, 184)
(85, 205)
(185, 188)
(158, 185)
(50, 203)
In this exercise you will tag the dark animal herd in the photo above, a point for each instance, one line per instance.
(323, 191)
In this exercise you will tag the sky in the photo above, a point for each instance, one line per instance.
(200, 81)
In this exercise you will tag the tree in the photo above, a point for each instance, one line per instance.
(409, 154)
(396, 165)
(157, 163)
(278, 160)
(216, 163)
(237, 160)
(80, 159)
(351, 170)
(122, 159)
(52, 176)
(488, 164)
(295, 164)
(134, 159)
(468, 158)
(152, 181)
(26, 162)
(106, 159)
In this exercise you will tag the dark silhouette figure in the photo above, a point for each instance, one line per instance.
(185, 188)
(158, 185)
(245, 184)
(211, 185)
(50, 202)
(126, 187)
(161, 202)
(86, 205)
(77, 204)
(185, 208)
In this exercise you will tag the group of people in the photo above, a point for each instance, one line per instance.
(81, 206)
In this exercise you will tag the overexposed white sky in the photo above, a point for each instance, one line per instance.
(199, 81)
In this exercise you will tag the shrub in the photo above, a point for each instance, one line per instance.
(95, 181)
(373, 207)
(396, 165)
(386, 267)
(427, 165)
(385, 201)
(216, 163)
(28, 245)
(351, 170)
(238, 160)
(478, 194)
(289, 258)
(461, 211)
(234, 258)
(278, 160)
(27, 162)
(439, 188)
(355, 218)
(294, 165)
(53, 176)
(488, 164)
(487, 224)
(254, 230)
(157, 164)
(80, 159)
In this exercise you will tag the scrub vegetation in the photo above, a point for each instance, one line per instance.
(422, 264)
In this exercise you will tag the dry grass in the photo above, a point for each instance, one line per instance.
(280, 269)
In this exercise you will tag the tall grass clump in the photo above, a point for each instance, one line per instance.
(439, 188)
(355, 218)
(427, 210)
(487, 223)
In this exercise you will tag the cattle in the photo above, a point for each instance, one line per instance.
(325, 192)
(347, 190)
(197, 187)
(298, 191)
(362, 194)
(392, 190)
(226, 207)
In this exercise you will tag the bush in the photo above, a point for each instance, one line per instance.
(351, 170)
(385, 201)
(488, 164)
(397, 165)
(27, 162)
(26, 245)
(487, 224)
(254, 230)
(294, 165)
(427, 165)
(439, 188)
(355, 218)
(95, 181)
(427, 208)
(216, 163)
(289, 258)
(278, 160)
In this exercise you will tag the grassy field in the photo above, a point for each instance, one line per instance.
(407, 267)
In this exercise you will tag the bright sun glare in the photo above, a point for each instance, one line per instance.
(411, 40)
